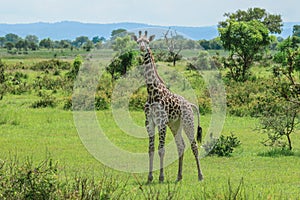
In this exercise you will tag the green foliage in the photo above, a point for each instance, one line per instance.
(27, 181)
(121, 63)
(272, 22)
(281, 107)
(51, 65)
(245, 41)
(75, 68)
(222, 146)
(296, 30)
(245, 99)
(46, 100)
(44, 181)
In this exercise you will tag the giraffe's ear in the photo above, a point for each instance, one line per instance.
(134, 37)
(151, 38)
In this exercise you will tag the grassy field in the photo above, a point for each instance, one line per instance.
(252, 172)
(38, 133)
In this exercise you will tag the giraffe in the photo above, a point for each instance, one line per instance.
(164, 108)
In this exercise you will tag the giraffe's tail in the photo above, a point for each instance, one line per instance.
(199, 129)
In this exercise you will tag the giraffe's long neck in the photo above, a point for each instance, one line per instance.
(151, 75)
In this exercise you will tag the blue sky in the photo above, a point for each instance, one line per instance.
(156, 12)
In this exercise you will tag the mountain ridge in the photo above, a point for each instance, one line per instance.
(72, 29)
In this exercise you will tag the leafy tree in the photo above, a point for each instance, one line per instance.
(244, 40)
(124, 58)
(88, 46)
(80, 41)
(46, 43)
(20, 44)
(296, 30)
(9, 45)
(272, 22)
(11, 37)
(65, 44)
(118, 33)
(2, 41)
(32, 39)
(282, 103)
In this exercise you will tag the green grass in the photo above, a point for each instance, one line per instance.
(38, 133)
(252, 172)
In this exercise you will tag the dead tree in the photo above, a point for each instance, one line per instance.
(173, 46)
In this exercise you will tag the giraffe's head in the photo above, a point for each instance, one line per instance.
(143, 40)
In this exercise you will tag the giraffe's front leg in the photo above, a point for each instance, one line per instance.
(151, 133)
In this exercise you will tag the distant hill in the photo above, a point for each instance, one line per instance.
(71, 30)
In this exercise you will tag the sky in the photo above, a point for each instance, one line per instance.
(154, 12)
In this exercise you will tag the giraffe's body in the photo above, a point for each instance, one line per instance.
(164, 108)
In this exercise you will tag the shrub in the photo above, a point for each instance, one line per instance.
(50, 65)
(44, 181)
(222, 146)
(28, 182)
(46, 100)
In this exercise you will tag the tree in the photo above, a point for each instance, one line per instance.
(272, 22)
(80, 41)
(173, 45)
(9, 45)
(244, 40)
(32, 39)
(282, 106)
(124, 58)
(46, 43)
(118, 33)
(296, 30)
(2, 41)
(20, 44)
(75, 69)
(11, 37)
(88, 46)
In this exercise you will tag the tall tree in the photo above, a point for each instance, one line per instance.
(245, 34)
(281, 114)
(271, 21)
(244, 41)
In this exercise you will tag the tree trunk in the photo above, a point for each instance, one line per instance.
(290, 142)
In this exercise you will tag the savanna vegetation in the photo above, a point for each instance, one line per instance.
(256, 157)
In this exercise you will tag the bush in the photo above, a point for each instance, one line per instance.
(222, 146)
(44, 181)
(46, 100)
(51, 65)
(243, 98)
(28, 182)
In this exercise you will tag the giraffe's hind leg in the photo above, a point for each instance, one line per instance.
(176, 129)
(188, 126)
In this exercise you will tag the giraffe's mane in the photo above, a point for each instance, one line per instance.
(153, 63)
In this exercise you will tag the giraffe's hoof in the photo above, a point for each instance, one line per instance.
(200, 178)
(150, 179)
(161, 179)
(179, 178)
